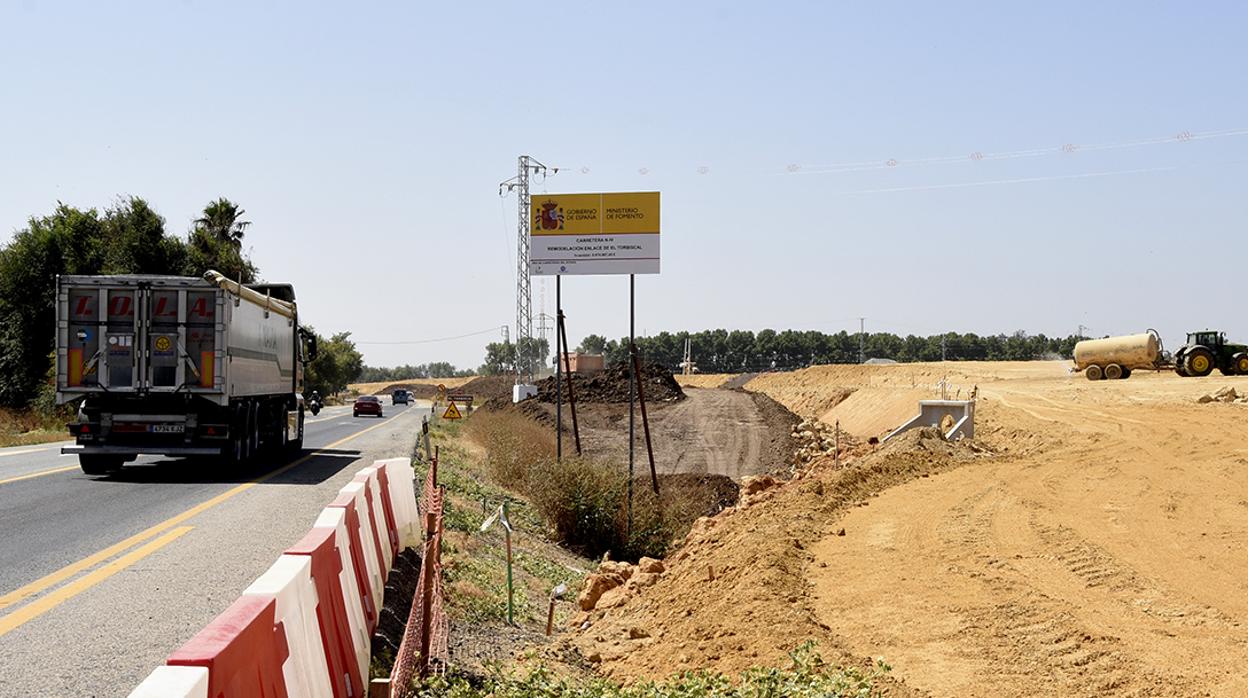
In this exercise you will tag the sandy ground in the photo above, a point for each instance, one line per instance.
(1104, 558)
(704, 380)
(1090, 544)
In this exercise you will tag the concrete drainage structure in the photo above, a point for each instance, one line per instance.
(937, 413)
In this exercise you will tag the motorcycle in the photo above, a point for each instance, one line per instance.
(314, 406)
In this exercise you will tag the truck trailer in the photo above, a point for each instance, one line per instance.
(179, 366)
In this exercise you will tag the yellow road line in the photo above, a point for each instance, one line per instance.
(69, 591)
(18, 595)
(41, 473)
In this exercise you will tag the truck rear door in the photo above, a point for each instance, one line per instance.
(130, 336)
(180, 338)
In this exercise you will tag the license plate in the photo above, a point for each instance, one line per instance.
(168, 428)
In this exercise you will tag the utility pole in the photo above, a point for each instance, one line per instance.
(862, 340)
(1082, 329)
(525, 167)
(942, 348)
(543, 326)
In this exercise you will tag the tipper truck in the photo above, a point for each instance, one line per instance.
(179, 366)
(1116, 357)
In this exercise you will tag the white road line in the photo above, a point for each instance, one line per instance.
(25, 451)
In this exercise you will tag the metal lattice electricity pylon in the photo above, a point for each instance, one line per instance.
(526, 166)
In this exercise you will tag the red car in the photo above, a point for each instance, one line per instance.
(366, 404)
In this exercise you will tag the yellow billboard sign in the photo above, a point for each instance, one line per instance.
(595, 214)
(608, 233)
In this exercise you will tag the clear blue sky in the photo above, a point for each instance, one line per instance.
(366, 142)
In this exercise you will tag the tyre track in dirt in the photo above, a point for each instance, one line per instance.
(1101, 561)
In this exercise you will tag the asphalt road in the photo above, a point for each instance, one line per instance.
(102, 577)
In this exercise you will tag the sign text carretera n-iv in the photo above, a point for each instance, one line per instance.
(594, 233)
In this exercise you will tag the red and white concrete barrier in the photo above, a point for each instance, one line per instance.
(303, 627)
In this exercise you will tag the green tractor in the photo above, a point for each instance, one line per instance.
(1208, 350)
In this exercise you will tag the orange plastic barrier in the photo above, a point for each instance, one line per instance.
(387, 506)
(242, 651)
(372, 493)
(331, 613)
(361, 556)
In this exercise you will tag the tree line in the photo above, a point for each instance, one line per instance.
(435, 369)
(736, 351)
(528, 355)
(128, 237)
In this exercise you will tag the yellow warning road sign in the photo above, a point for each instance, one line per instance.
(452, 412)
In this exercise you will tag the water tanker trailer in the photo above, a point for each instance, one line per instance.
(1116, 357)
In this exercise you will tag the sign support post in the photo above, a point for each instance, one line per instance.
(596, 233)
(559, 348)
(632, 395)
(562, 328)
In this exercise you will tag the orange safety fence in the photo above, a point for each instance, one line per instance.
(425, 645)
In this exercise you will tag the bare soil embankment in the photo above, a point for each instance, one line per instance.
(1088, 544)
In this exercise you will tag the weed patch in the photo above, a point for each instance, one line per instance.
(806, 676)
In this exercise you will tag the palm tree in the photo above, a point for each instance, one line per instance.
(222, 221)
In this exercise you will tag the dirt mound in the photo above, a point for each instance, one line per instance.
(422, 391)
(376, 387)
(712, 493)
(739, 381)
(736, 593)
(529, 408)
(483, 388)
(703, 380)
(780, 422)
(611, 385)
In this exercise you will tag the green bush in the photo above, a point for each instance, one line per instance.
(582, 499)
(807, 676)
(585, 500)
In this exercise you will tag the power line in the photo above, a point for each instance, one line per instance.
(1066, 149)
(494, 329)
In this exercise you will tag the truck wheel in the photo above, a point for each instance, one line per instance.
(296, 444)
(100, 465)
(1126, 373)
(1199, 362)
(1093, 372)
(1113, 372)
(253, 433)
(240, 435)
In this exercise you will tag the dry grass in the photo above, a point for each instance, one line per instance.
(585, 500)
(514, 446)
(21, 428)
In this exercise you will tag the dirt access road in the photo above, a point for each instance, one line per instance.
(715, 432)
(1100, 553)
